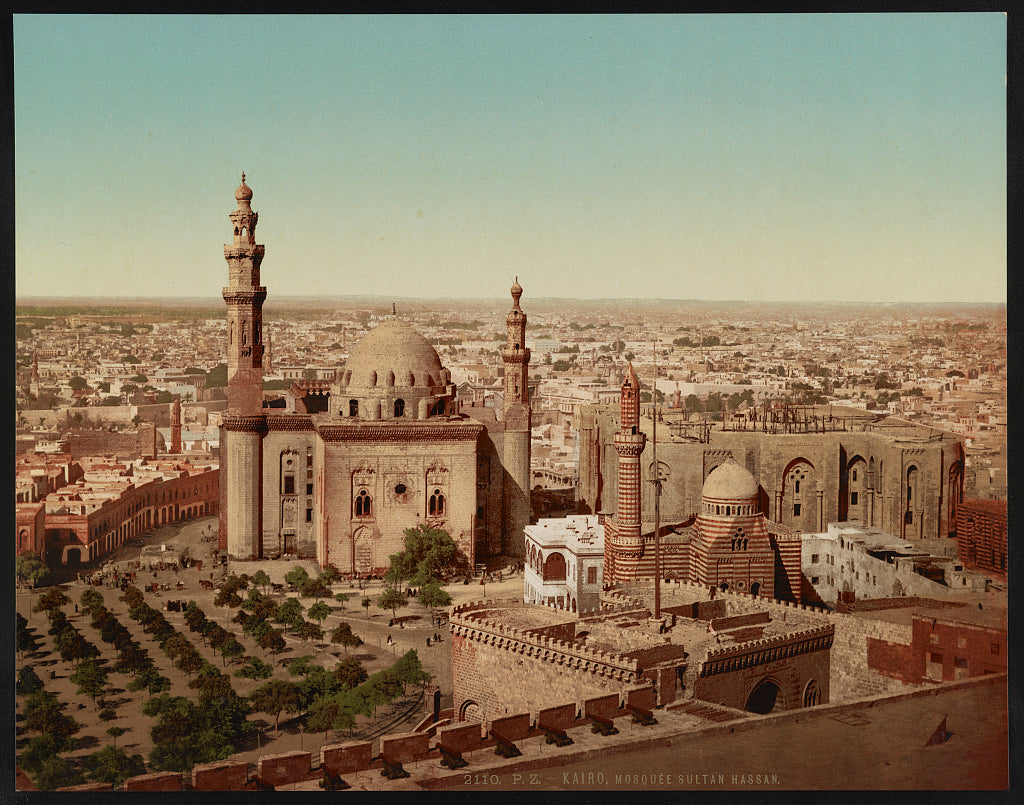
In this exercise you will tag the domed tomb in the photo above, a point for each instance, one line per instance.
(729, 483)
(393, 372)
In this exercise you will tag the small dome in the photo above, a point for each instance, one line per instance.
(243, 193)
(393, 349)
(730, 482)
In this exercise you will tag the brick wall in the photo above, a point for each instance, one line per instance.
(226, 776)
(341, 758)
(287, 767)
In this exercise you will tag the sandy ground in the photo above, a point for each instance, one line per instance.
(197, 535)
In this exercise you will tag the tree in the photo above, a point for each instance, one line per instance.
(90, 678)
(255, 668)
(28, 681)
(191, 661)
(433, 596)
(297, 576)
(57, 772)
(231, 648)
(330, 713)
(150, 680)
(341, 598)
(350, 673)
(175, 644)
(112, 765)
(365, 603)
(314, 588)
(50, 601)
(310, 631)
(24, 639)
(409, 670)
(391, 599)
(290, 612)
(261, 579)
(92, 602)
(275, 697)
(115, 733)
(329, 575)
(271, 641)
(30, 569)
(429, 553)
(42, 713)
(78, 383)
(344, 636)
(319, 611)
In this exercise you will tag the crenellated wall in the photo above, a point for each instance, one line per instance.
(499, 669)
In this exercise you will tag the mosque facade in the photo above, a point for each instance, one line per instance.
(394, 448)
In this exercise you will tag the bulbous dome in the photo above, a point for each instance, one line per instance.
(243, 193)
(730, 481)
(393, 354)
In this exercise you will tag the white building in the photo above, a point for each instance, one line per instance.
(871, 563)
(564, 565)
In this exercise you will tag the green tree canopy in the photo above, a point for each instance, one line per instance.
(290, 612)
(319, 611)
(432, 596)
(344, 636)
(275, 697)
(429, 553)
(91, 679)
(391, 599)
(261, 579)
(29, 568)
(50, 601)
(112, 765)
(297, 576)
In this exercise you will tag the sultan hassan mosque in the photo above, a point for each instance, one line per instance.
(393, 449)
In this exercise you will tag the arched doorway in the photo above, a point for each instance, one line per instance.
(755, 588)
(470, 711)
(73, 557)
(763, 697)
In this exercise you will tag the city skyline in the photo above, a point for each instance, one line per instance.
(785, 158)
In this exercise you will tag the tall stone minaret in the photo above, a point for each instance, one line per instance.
(244, 297)
(175, 427)
(623, 540)
(517, 416)
(243, 425)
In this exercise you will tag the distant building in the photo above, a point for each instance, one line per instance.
(840, 466)
(981, 534)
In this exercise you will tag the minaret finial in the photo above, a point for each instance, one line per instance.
(394, 309)
(243, 176)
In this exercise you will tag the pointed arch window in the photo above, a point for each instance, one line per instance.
(399, 408)
(364, 504)
(436, 505)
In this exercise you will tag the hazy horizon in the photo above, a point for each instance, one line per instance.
(790, 157)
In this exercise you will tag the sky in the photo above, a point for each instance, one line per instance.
(716, 157)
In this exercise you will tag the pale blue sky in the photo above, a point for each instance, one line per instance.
(784, 157)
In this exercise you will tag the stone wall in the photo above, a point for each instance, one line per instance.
(138, 442)
(499, 670)
(832, 457)
(850, 676)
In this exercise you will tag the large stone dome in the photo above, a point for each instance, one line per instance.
(394, 354)
(393, 371)
(730, 482)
